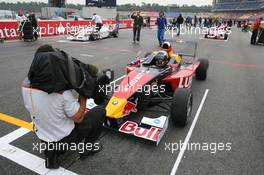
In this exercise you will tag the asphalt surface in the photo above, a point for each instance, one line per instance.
(232, 114)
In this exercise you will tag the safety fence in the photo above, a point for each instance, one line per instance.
(9, 29)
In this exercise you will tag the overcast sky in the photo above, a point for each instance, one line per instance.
(163, 2)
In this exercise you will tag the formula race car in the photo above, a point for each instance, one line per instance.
(91, 33)
(166, 90)
(220, 33)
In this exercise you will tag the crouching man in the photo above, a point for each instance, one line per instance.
(58, 117)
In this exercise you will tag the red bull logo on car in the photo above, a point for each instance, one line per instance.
(130, 107)
(132, 128)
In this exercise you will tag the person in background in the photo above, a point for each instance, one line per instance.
(174, 22)
(205, 22)
(117, 21)
(217, 22)
(179, 23)
(148, 21)
(255, 31)
(200, 21)
(195, 21)
(138, 23)
(186, 21)
(32, 18)
(210, 22)
(161, 22)
(98, 21)
(20, 19)
(230, 23)
(220, 21)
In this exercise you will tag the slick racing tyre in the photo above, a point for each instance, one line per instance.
(115, 34)
(181, 107)
(226, 36)
(92, 38)
(201, 71)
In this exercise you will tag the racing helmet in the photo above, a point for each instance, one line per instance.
(161, 58)
(166, 46)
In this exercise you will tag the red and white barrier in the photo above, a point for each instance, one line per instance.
(9, 29)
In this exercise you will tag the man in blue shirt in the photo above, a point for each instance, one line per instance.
(161, 22)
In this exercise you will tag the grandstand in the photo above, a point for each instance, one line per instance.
(172, 10)
(57, 3)
(237, 5)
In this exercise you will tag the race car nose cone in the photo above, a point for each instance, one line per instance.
(115, 107)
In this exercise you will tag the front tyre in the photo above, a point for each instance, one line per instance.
(201, 71)
(181, 107)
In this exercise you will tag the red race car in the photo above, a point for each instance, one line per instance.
(165, 89)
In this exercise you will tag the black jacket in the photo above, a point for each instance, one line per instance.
(50, 72)
(33, 20)
(138, 20)
(180, 20)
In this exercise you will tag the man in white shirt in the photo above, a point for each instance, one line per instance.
(98, 21)
(61, 118)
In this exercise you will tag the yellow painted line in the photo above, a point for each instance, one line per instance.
(15, 121)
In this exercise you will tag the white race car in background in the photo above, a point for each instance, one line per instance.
(91, 33)
(219, 33)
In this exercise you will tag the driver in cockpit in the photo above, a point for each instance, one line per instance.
(166, 46)
(162, 57)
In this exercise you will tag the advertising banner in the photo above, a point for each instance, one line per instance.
(9, 29)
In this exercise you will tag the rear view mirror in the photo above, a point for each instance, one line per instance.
(109, 73)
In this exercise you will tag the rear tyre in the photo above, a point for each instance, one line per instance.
(181, 107)
(206, 35)
(91, 38)
(201, 71)
(115, 34)
(226, 36)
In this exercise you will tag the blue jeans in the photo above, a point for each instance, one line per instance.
(179, 29)
(117, 26)
(161, 35)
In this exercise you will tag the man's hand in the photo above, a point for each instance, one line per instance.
(78, 117)
(133, 15)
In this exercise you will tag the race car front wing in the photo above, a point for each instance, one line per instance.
(151, 129)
